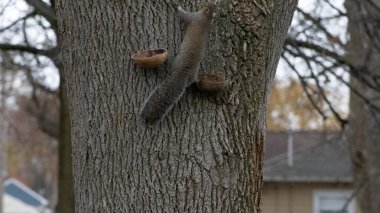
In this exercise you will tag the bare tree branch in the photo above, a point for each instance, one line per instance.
(354, 90)
(319, 49)
(5, 6)
(318, 24)
(44, 10)
(20, 19)
(34, 82)
(23, 48)
(52, 2)
(51, 53)
(361, 73)
(305, 88)
(341, 13)
(321, 91)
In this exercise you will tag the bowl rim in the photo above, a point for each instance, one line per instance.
(133, 56)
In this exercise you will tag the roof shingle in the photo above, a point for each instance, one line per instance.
(325, 160)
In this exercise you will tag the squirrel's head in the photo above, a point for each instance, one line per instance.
(209, 9)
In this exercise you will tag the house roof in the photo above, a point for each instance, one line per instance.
(323, 158)
(21, 192)
(277, 142)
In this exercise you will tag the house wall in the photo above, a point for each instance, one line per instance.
(294, 197)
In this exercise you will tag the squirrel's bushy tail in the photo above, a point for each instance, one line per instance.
(162, 99)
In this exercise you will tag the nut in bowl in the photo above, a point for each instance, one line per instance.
(151, 58)
(211, 83)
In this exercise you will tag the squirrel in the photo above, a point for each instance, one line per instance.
(184, 70)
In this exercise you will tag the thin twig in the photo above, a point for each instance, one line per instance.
(20, 19)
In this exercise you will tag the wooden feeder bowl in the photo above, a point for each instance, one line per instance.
(151, 58)
(211, 83)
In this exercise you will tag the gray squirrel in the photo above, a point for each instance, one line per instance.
(184, 70)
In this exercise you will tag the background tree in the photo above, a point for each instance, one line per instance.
(206, 155)
(31, 40)
(363, 52)
(327, 55)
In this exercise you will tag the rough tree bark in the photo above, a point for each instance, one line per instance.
(363, 129)
(207, 154)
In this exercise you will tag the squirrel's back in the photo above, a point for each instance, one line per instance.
(184, 70)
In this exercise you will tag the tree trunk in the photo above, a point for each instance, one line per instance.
(207, 154)
(3, 137)
(363, 130)
(3, 140)
(66, 201)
